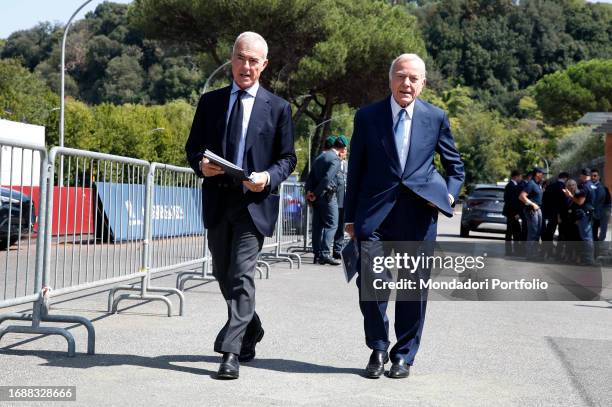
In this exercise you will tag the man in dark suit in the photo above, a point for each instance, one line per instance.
(511, 210)
(245, 124)
(322, 187)
(394, 193)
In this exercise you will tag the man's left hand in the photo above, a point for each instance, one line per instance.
(257, 183)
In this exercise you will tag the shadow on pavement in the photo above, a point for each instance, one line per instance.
(172, 362)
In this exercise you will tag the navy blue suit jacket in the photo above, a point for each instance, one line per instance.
(375, 178)
(268, 147)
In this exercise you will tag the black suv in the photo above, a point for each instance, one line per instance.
(17, 216)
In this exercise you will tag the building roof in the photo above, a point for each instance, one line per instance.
(602, 121)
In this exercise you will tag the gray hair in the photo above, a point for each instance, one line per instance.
(406, 57)
(251, 37)
(570, 183)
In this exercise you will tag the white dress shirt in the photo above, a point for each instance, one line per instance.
(395, 109)
(247, 107)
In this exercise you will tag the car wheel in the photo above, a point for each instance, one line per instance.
(464, 232)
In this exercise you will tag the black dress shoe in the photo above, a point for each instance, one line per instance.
(328, 260)
(229, 367)
(399, 369)
(315, 260)
(337, 256)
(247, 353)
(376, 364)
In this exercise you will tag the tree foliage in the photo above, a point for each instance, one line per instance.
(107, 60)
(326, 50)
(564, 96)
(498, 47)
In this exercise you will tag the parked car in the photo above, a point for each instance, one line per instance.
(17, 216)
(482, 211)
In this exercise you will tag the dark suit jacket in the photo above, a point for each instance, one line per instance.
(512, 205)
(268, 147)
(322, 177)
(375, 178)
(553, 200)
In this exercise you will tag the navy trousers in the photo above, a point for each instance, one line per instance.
(411, 219)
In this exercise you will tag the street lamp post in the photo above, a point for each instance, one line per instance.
(61, 138)
(62, 86)
(220, 67)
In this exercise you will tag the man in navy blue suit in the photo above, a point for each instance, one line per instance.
(394, 193)
(251, 127)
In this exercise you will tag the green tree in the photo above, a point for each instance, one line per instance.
(123, 80)
(566, 95)
(32, 46)
(334, 51)
(498, 48)
(23, 95)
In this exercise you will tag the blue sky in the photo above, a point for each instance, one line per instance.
(23, 14)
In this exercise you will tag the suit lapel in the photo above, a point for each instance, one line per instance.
(221, 124)
(261, 109)
(388, 137)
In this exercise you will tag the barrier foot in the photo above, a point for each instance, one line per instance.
(178, 293)
(278, 257)
(141, 298)
(91, 332)
(264, 264)
(42, 330)
(111, 296)
(293, 255)
(113, 291)
(191, 275)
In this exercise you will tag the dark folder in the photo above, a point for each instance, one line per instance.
(350, 259)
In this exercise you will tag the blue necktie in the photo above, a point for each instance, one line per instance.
(399, 135)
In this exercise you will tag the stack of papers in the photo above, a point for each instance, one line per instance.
(230, 168)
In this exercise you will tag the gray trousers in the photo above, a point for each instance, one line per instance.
(234, 244)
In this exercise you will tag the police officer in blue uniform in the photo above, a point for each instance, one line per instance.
(531, 197)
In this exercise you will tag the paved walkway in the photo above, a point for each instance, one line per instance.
(313, 352)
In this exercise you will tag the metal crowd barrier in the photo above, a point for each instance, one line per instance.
(288, 227)
(105, 220)
(29, 284)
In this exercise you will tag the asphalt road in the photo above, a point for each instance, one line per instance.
(472, 354)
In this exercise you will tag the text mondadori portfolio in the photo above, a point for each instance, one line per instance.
(486, 284)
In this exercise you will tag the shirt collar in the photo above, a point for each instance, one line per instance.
(395, 108)
(251, 91)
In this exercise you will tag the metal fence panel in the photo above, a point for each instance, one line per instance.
(95, 219)
(22, 189)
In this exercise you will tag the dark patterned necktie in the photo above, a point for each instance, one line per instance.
(234, 129)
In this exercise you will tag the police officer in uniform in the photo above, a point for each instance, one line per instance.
(531, 197)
